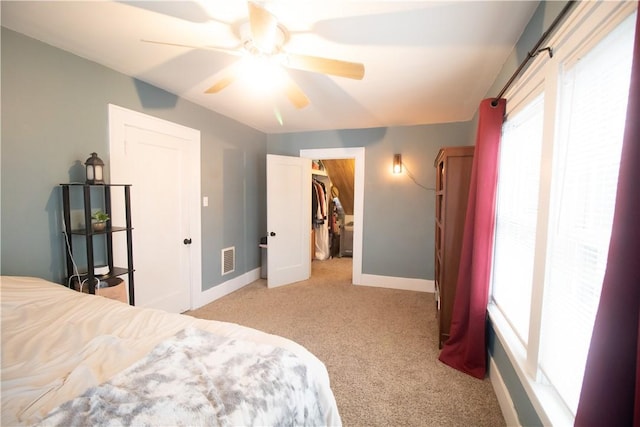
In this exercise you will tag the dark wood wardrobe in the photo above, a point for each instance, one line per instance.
(453, 175)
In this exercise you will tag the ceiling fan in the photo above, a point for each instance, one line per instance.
(264, 37)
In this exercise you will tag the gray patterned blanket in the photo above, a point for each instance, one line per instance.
(201, 379)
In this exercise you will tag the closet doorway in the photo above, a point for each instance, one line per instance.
(356, 153)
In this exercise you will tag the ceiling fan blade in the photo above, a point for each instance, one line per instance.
(335, 67)
(295, 94)
(264, 26)
(232, 51)
(225, 81)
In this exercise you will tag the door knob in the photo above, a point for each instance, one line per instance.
(272, 234)
(187, 241)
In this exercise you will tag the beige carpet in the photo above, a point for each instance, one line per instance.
(379, 346)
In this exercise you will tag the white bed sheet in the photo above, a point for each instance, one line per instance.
(56, 343)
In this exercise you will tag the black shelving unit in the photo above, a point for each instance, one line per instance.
(88, 234)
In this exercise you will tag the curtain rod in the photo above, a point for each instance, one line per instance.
(536, 49)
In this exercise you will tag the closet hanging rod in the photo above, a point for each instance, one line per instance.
(536, 49)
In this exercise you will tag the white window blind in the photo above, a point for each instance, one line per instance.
(516, 214)
(593, 98)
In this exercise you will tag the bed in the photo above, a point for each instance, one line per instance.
(75, 359)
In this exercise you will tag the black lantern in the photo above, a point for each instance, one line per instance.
(94, 167)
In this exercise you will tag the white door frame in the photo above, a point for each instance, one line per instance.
(119, 119)
(356, 153)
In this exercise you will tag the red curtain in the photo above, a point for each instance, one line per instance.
(611, 387)
(465, 349)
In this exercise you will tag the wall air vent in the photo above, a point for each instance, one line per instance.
(228, 260)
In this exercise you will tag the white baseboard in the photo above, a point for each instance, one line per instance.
(502, 393)
(407, 284)
(226, 288)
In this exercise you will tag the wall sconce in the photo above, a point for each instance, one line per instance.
(397, 164)
(94, 166)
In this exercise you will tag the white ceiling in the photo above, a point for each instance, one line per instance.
(425, 61)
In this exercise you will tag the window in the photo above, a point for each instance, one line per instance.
(516, 214)
(557, 180)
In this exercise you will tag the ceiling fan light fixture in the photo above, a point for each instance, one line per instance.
(256, 46)
(261, 73)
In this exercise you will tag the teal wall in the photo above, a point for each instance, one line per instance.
(544, 15)
(54, 114)
(398, 223)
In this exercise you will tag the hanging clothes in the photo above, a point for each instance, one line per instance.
(319, 210)
(318, 203)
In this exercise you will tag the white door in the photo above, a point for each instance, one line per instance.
(158, 163)
(288, 220)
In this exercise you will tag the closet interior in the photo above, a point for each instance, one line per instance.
(332, 188)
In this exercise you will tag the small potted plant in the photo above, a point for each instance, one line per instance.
(100, 219)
